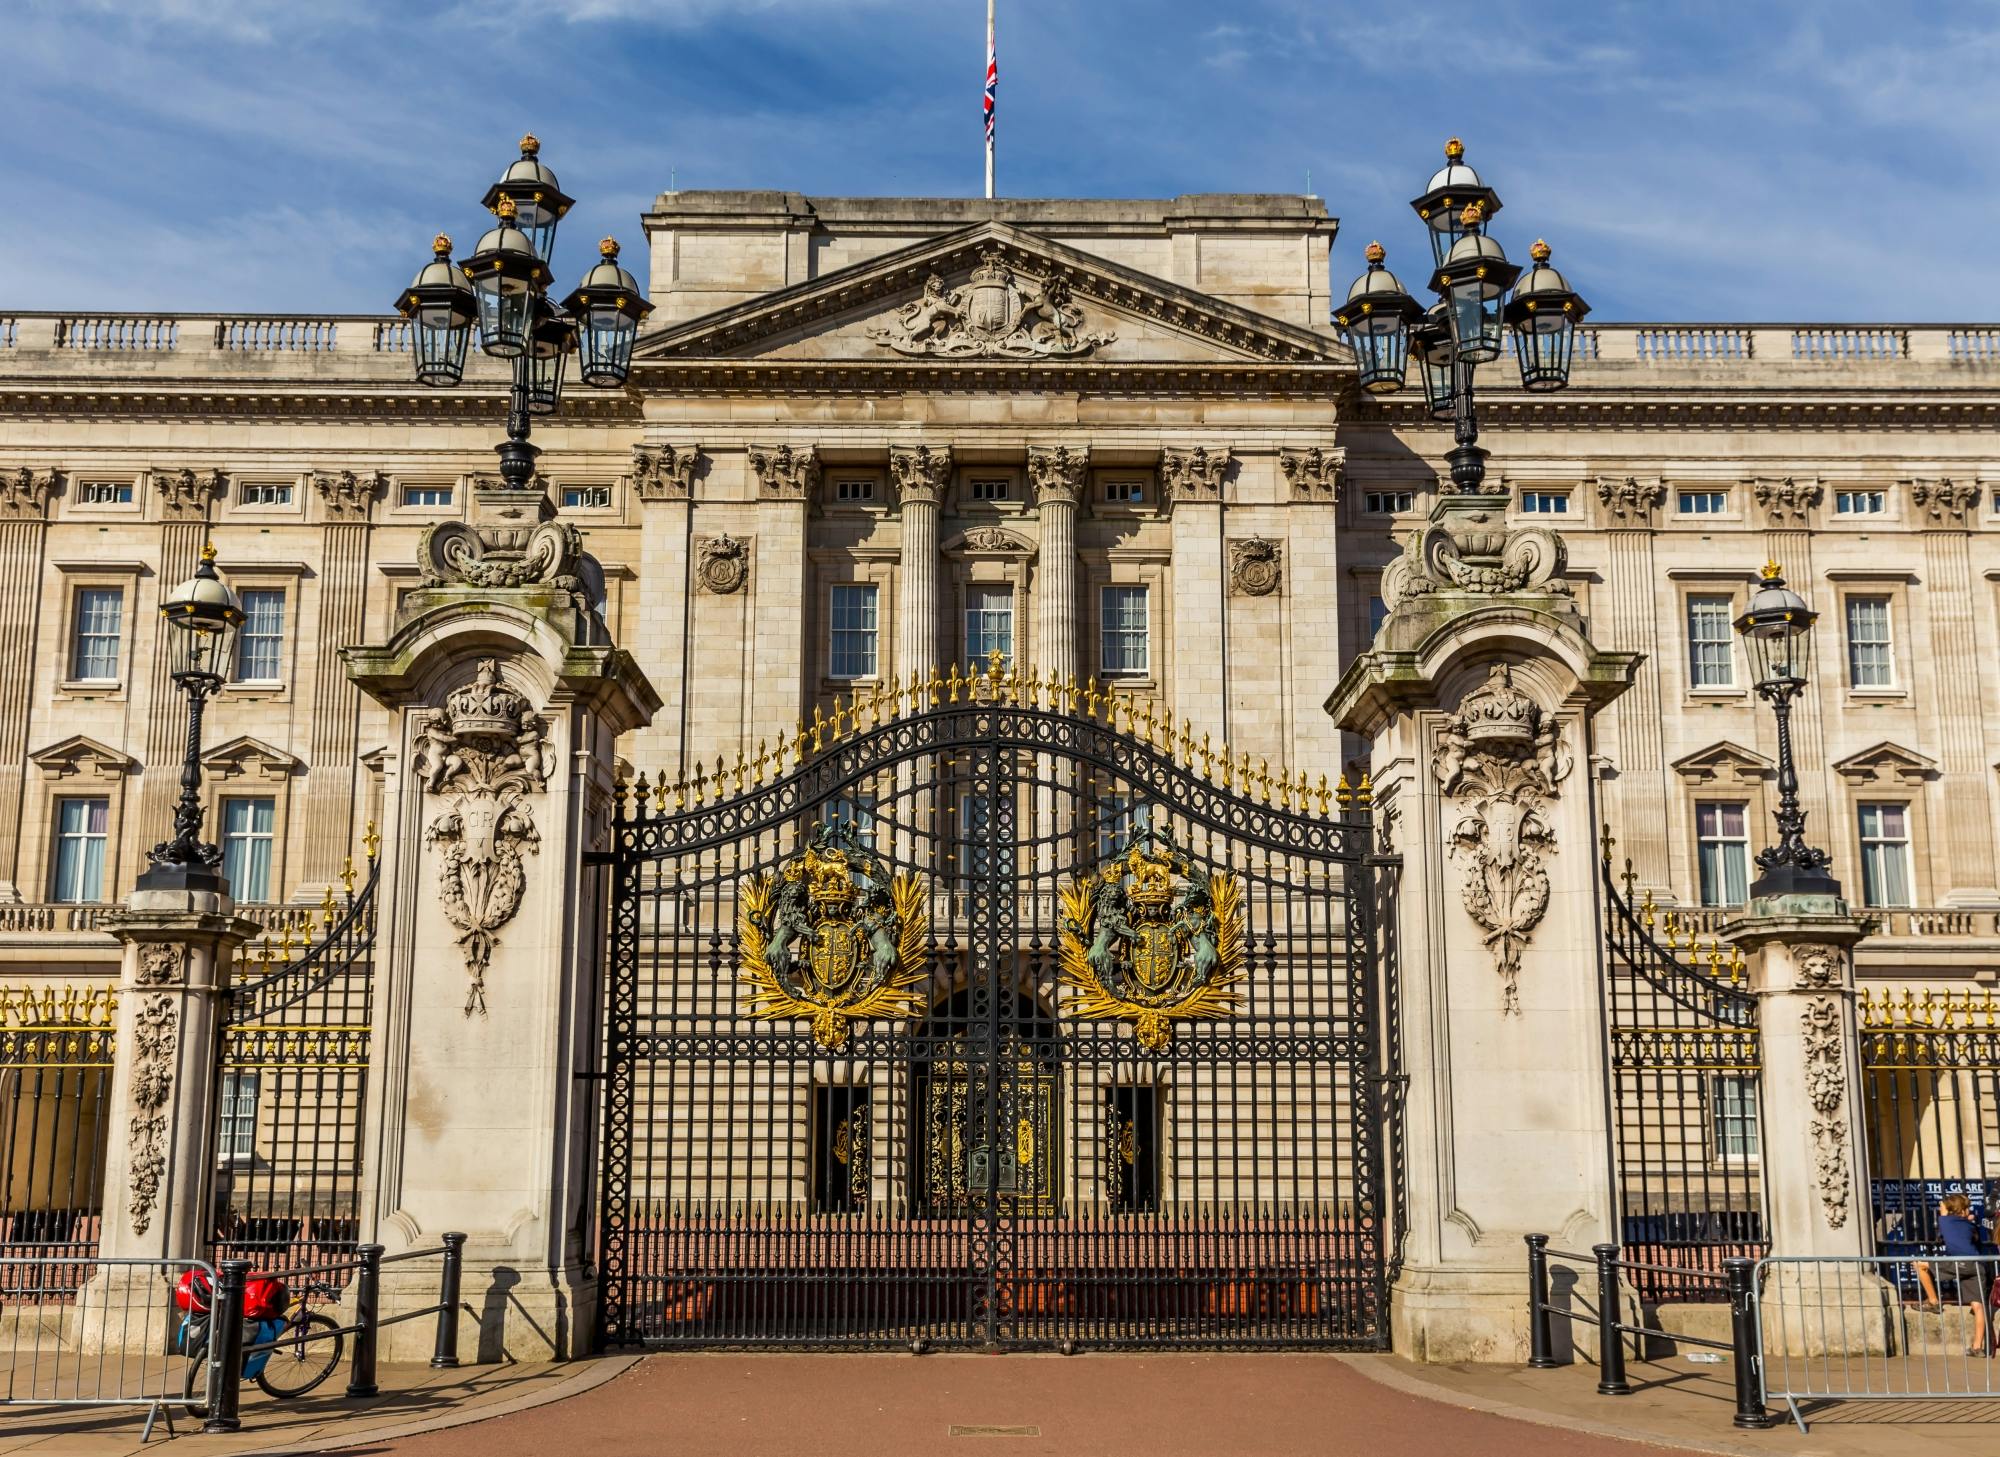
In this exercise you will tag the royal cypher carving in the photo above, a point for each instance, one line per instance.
(996, 314)
(485, 752)
(1823, 972)
(724, 563)
(1501, 757)
(1256, 567)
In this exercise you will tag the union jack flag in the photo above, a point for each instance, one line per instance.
(992, 80)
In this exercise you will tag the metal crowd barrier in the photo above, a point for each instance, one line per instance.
(116, 1341)
(1877, 1328)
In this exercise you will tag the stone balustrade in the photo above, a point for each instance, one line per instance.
(1919, 921)
(58, 918)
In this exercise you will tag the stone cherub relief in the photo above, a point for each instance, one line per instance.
(1499, 759)
(997, 313)
(484, 752)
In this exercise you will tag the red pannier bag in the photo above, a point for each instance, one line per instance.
(191, 1292)
(264, 1298)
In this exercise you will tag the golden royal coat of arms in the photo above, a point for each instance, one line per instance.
(1145, 941)
(833, 937)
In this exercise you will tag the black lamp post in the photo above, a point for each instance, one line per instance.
(503, 288)
(204, 613)
(1469, 324)
(1777, 625)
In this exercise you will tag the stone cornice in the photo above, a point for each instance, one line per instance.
(85, 398)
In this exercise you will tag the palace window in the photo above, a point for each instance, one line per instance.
(852, 648)
(1870, 658)
(246, 847)
(1703, 503)
(104, 493)
(81, 826)
(1385, 503)
(1126, 645)
(1860, 503)
(260, 643)
(855, 809)
(1722, 842)
(1121, 820)
(989, 626)
(989, 488)
(265, 493)
(1885, 854)
(1132, 1153)
(1711, 646)
(854, 488)
(427, 496)
(99, 630)
(586, 498)
(840, 1143)
(1378, 613)
(1733, 1113)
(1125, 490)
(1545, 503)
(238, 1141)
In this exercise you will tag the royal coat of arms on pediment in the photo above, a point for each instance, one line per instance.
(834, 937)
(1148, 941)
(996, 314)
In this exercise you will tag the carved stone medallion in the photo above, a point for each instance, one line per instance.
(1256, 567)
(996, 314)
(1500, 758)
(724, 563)
(485, 752)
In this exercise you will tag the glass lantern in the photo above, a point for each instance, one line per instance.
(1777, 626)
(608, 308)
(207, 613)
(552, 342)
(509, 276)
(1474, 280)
(1544, 313)
(1376, 321)
(442, 307)
(538, 203)
(1430, 342)
(1442, 207)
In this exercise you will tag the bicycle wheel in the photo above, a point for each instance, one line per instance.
(304, 1356)
(195, 1387)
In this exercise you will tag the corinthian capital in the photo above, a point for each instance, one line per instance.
(919, 472)
(185, 493)
(1316, 474)
(1194, 475)
(1629, 501)
(1945, 503)
(785, 472)
(25, 492)
(1057, 473)
(348, 494)
(664, 472)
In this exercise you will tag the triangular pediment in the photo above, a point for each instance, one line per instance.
(1724, 763)
(1886, 763)
(244, 755)
(986, 296)
(80, 756)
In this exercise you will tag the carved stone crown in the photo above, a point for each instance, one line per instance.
(1497, 713)
(485, 708)
(1152, 878)
(992, 268)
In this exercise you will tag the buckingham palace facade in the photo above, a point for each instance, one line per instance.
(1158, 476)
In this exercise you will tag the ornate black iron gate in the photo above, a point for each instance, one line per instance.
(989, 1014)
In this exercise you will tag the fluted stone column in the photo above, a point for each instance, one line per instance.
(24, 508)
(1632, 625)
(1057, 475)
(919, 473)
(1946, 508)
(346, 497)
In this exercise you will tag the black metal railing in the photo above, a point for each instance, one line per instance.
(292, 1091)
(56, 1053)
(1684, 1055)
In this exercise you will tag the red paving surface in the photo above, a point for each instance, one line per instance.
(999, 1406)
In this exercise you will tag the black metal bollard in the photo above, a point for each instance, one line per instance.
(367, 1311)
(1744, 1351)
(225, 1346)
(1610, 1340)
(1541, 1345)
(445, 1352)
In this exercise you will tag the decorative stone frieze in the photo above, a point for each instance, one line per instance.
(1474, 550)
(919, 473)
(664, 472)
(1256, 567)
(723, 564)
(1057, 474)
(1194, 475)
(485, 752)
(1787, 500)
(185, 493)
(1945, 503)
(349, 495)
(997, 314)
(1629, 501)
(1822, 973)
(25, 493)
(1316, 475)
(1500, 758)
(785, 472)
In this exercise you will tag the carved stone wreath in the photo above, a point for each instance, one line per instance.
(1256, 567)
(1822, 971)
(485, 752)
(724, 563)
(1500, 756)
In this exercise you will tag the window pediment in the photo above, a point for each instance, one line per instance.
(244, 756)
(990, 541)
(1724, 764)
(1886, 763)
(82, 757)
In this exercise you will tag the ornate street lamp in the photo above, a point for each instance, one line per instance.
(1469, 325)
(1777, 626)
(503, 288)
(204, 613)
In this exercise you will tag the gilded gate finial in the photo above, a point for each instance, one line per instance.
(1323, 795)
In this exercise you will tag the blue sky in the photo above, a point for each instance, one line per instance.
(1762, 160)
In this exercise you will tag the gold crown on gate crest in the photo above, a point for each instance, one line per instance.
(828, 880)
(1152, 878)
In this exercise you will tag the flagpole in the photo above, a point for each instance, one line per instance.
(992, 76)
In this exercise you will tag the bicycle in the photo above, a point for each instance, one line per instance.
(308, 1348)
